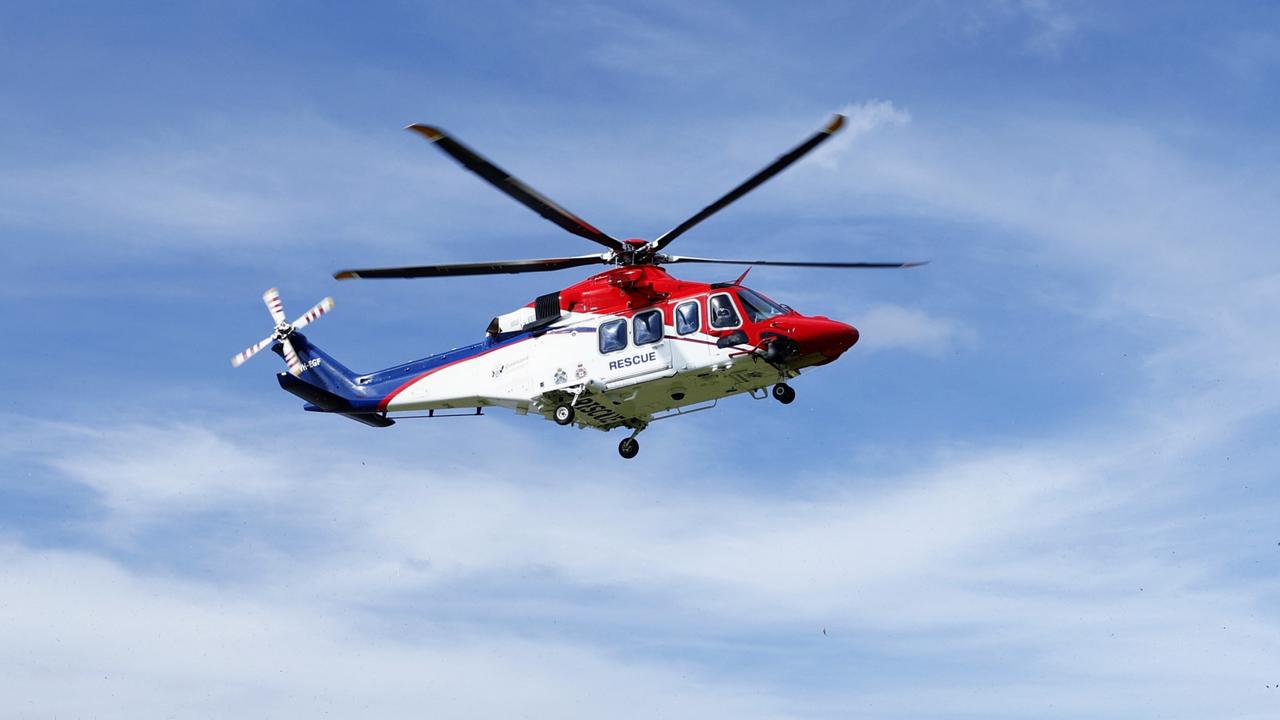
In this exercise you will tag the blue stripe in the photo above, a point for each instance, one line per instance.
(384, 381)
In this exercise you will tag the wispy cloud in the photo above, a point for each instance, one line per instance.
(1045, 553)
(897, 327)
(1053, 26)
(625, 42)
(141, 471)
(1252, 54)
(1045, 27)
(278, 181)
(83, 636)
(861, 119)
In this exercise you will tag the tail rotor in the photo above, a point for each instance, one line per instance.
(283, 330)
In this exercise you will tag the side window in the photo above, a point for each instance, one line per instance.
(723, 313)
(647, 327)
(688, 319)
(613, 335)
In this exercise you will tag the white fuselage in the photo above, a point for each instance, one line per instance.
(619, 387)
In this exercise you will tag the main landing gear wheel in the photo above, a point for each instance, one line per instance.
(783, 393)
(564, 414)
(629, 448)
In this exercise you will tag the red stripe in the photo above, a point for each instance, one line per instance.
(689, 339)
(382, 406)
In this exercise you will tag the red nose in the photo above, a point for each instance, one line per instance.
(821, 336)
(838, 338)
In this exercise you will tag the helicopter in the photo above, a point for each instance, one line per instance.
(619, 350)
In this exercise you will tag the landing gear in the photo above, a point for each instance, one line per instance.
(564, 414)
(630, 447)
(783, 393)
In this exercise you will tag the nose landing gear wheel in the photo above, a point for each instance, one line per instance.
(629, 448)
(564, 414)
(783, 393)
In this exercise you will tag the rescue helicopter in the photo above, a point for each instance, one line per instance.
(621, 349)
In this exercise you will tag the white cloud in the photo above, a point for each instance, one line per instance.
(83, 637)
(860, 119)
(275, 181)
(1251, 54)
(1053, 26)
(868, 115)
(1046, 554)
(1046, 25)
(624, 42)
(140, 470)
(1148, 238)
(887, 327)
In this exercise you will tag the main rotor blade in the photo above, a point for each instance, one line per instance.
(510, 185)
(790, 263)
(753, 182)
(314, 313)
(498, 267)
(252, 350)
(272, 299)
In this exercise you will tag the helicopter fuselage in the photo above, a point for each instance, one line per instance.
(628, 346)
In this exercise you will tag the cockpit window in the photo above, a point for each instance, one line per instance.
(647, 327)
(758, 306)
(688, 319)
(613, 335)
(723, 313)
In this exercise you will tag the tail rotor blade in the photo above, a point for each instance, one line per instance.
(314, 313)
(250, 351)
(274, 306)
(291, 358)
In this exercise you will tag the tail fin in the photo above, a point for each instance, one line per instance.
(329, 386)
(322, 370)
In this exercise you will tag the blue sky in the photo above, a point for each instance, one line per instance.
(1042, 485)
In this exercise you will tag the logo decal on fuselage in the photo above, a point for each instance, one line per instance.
(627, 362)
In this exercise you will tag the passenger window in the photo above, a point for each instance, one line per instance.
(647, 327)
(613, 336)
(723, 313)
(688, 319)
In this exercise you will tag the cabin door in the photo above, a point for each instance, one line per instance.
(631, 347)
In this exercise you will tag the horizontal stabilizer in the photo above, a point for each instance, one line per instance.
(368, 418)
(322, 400)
